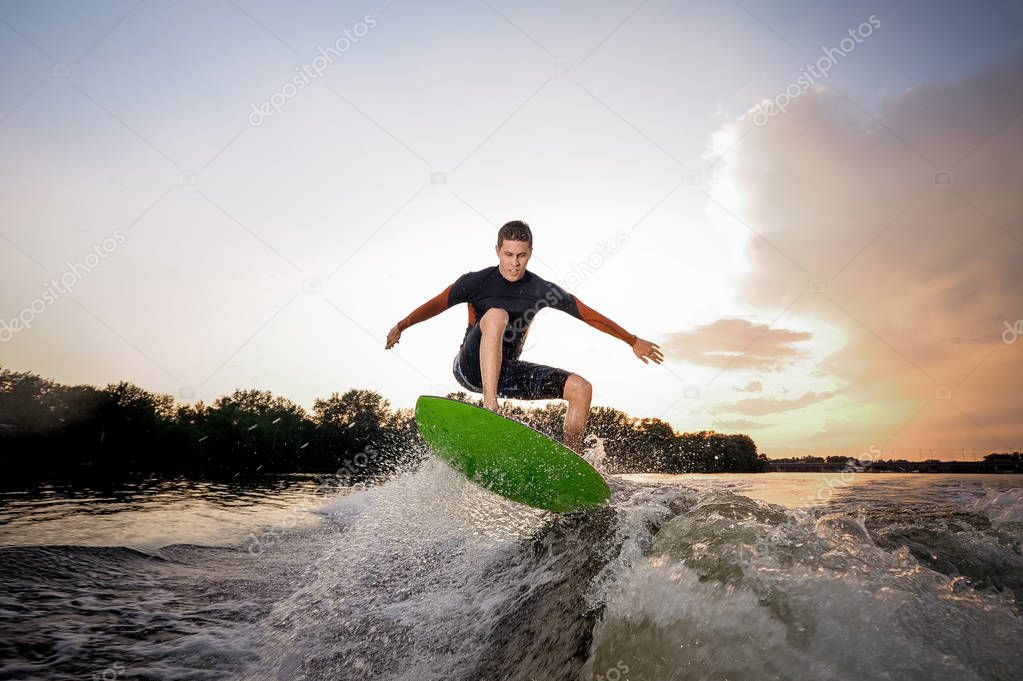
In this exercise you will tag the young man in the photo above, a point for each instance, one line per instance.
(503, 300)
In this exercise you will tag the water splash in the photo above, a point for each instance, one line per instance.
(429, 576)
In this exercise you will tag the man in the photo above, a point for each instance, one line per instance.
(503, 300)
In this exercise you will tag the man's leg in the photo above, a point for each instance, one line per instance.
(492, 325)
(578, 392)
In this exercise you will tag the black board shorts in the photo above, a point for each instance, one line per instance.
(517, 380)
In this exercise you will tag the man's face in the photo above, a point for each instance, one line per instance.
(513, 256)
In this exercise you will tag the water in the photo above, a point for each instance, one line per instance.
(770, 576)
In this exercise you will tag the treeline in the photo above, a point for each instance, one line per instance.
(53, 431)
(1004, 457)
(994, 457)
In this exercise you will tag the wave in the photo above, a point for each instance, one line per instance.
(430, 577)
(734, 588)
(1004, 507)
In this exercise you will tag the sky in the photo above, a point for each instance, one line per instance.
(814, 210)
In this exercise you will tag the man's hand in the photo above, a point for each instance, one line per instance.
(644, 348)
(393, 336)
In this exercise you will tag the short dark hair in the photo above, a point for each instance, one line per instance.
(516, 230)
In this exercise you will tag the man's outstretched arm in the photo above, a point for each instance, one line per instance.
(599, 321)
(641, 348)
(434, 306)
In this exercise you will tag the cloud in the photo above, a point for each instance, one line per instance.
(918, 277)
(758, 406)
(736, 344)
(751, 387)
(740, 424)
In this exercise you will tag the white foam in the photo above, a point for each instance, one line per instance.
(813, 598)
(1001, 506)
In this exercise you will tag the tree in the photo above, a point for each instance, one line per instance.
(256, 430)
(51, 430)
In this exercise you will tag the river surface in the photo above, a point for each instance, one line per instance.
(427, 577)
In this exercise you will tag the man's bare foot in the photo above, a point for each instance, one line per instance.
(491, 404)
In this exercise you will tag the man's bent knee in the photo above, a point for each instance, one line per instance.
(495, 317)
(578, 388)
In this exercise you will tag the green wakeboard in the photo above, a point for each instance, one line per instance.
(508, 457)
